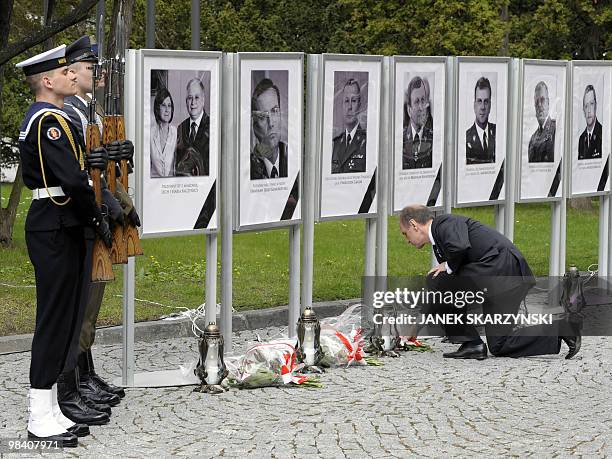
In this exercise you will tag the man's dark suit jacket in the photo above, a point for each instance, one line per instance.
(474, 150)
(413, 158)
(474, 250)
(586, 151)
(258, 166)
(352, 158)
(201, 145)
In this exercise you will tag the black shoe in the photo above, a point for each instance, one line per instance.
(103, 384)
(66, 440)
(102, 407)
(573, 343)
(89, 387)
(71, 403)
(80, 430)
(471, 350)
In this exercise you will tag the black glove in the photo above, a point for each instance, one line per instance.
(133, 217)
(127, 150)
(103, 231)
(114, 151)
(97, 158)
(114, 208)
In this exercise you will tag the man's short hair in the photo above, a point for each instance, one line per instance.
(34, 82)
(416, 83)
(417, 212)
(539, 86)
(194, 81)
(482, 83)
(587, 89)
(161, 95)
(262, 87)
(352, 82)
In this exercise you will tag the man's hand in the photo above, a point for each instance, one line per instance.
(97, 158)
(101, 227)
(114, 151)
(133, 217)
(127, 150)
(438, 269)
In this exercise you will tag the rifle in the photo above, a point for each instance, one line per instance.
(118, 250)
(130, 233)
(102, 270)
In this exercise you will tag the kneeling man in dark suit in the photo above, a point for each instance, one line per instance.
(476, 258)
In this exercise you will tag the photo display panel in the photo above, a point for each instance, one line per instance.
(419, 104)
(482, 127)
(350, 135)
(542, 130)
(270, 87)
(180, 141)
(591, 108)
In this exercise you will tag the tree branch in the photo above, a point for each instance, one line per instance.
(75, 16)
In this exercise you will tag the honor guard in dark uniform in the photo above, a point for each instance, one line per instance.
(83, 396)
(63, 207)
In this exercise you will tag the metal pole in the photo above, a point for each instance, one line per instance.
(195, 24)
(603, 236)
(227, 198)
(382, 180)
(500, 217)
(309, 176)
(150, 29)
(512, 146)
(369, 269)
(294, 279)
(211, 278)
(127, 372)
(555, 240)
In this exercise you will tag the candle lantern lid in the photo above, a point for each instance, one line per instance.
(308, 315)
(212, 331)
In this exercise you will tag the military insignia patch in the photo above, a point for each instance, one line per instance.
(54, 133)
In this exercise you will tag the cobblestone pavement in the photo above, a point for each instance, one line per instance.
(417, 405)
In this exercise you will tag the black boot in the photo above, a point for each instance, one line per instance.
(102, 407)
(89, 387)
(103, 384)
(71, 403)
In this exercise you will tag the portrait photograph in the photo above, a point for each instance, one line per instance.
(542, 129)
(350, 137)
(350, 122)
(180, 123)
(591, 116)
(270, 139)
(269, 153)
(482, 122)
(419, 97)
(179, 112)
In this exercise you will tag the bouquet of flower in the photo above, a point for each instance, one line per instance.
(342, 349)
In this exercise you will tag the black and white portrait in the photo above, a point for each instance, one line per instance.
(480, 137)
(180, 123)
(542, 142)
(418, 133)
(350, 122)
(269, 154)
(589, 142)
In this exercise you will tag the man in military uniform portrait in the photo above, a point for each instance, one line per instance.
(349, 148)
(63, 208)
(542, 142)
(192, 145)
(269, 155)
(589, 144)
(480, 138)
(418, 135)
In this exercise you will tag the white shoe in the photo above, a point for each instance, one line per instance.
(41, 422)
(57, 412)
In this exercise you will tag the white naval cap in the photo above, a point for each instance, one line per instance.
(43, 62)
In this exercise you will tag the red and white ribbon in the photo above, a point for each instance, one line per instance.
(289, 369)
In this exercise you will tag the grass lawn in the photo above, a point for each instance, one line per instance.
(171, 273)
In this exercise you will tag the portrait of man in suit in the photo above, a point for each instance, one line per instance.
(193, 136)
(418, 134)
(480, 137)
(589, 144)
(269, 155)
(349, 147)
(542, 143)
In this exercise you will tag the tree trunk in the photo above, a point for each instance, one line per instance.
(8, 214)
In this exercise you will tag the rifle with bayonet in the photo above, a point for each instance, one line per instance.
(102, 270)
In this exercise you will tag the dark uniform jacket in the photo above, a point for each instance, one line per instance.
(258, 166)
(61, 168)
(474, 150)
(542, 143)
(192, 158)
(351, 158)
(417, 155)
(592, 150)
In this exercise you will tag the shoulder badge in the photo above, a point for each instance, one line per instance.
(54, 133)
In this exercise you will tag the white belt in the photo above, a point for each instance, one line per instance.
(53, 191)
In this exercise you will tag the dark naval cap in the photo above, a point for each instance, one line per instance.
(44, 62)
(81, 51)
